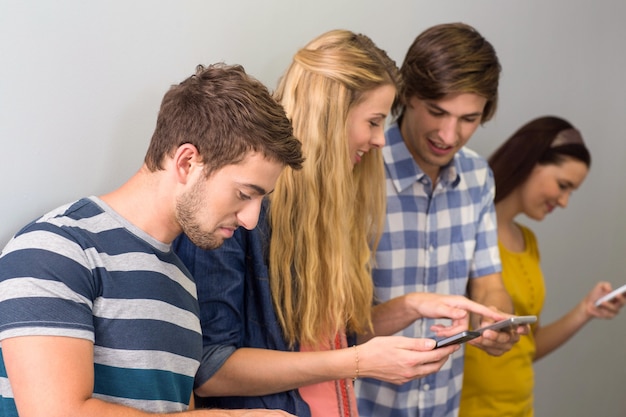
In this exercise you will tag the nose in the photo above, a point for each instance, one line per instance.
(378, 139)
(448, 131)
(248, 216)
(563, 199)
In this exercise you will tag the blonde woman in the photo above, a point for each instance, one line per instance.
(279, 303)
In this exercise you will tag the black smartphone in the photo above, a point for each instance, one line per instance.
(457, 338)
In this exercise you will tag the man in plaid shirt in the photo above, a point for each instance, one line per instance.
(440, 233)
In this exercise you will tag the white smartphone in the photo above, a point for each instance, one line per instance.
(611, 295)
(457, 338)
(508, 323)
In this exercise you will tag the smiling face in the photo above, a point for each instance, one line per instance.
(550, 186)
(434, 130)
(366, 121)
(231, 197)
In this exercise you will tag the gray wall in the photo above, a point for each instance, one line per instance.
(81, 82)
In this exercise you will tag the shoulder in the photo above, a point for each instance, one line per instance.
(529, 235)
(474, 170)
(58, 222)
(470, 160)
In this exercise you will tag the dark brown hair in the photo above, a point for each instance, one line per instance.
(447, 59)
(533, 144)
(224, 113)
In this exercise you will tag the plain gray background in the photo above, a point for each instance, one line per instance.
(81, 83)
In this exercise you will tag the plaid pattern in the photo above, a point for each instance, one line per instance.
(434, 241)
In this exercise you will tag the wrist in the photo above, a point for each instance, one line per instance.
(585, 311)
(414, 302)
(356, 363)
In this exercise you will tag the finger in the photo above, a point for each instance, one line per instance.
(608, 307)
(444, 331)
(450, 311)
(514, 338)
(489, 346)
(420, 344)
(505, 339)
(420, 370)
(484, 311)
(417, 358)
(490, 335)
(444, 352)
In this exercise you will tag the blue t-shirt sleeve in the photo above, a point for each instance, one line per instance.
(46, 284)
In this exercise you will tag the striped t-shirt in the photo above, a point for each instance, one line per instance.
(83, 271)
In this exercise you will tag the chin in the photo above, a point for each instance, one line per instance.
(201, 241)
(538, 217)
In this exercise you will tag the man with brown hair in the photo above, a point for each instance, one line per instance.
(98, 317)
(440, 232)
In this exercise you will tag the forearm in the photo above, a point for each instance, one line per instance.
(552, 336)
(498, 298)
(490, 291)
(392, 316)
(252, 372)
(391, 359)
(96, 407)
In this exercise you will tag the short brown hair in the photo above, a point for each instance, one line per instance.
(446, 59)
(224, 113)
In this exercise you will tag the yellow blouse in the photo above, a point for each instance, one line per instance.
(503, 386)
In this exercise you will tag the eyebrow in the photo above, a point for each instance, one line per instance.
(258, 189)
(436, 107)
(570, 184)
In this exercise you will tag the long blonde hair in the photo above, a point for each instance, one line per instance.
(326, 219)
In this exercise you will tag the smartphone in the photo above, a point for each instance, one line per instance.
(611, 295)
(457, 338)
(508, 323)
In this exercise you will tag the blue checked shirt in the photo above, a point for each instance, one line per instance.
(435, 240)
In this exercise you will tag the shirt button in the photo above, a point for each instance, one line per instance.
(426, 387)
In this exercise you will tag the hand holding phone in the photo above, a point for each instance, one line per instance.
(506, 324)
(610, 296)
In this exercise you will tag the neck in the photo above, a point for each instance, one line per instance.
(433, 173)
(142, 202)
(508, 208)
(509, 234)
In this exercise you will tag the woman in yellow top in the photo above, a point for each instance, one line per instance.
(535, 171)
